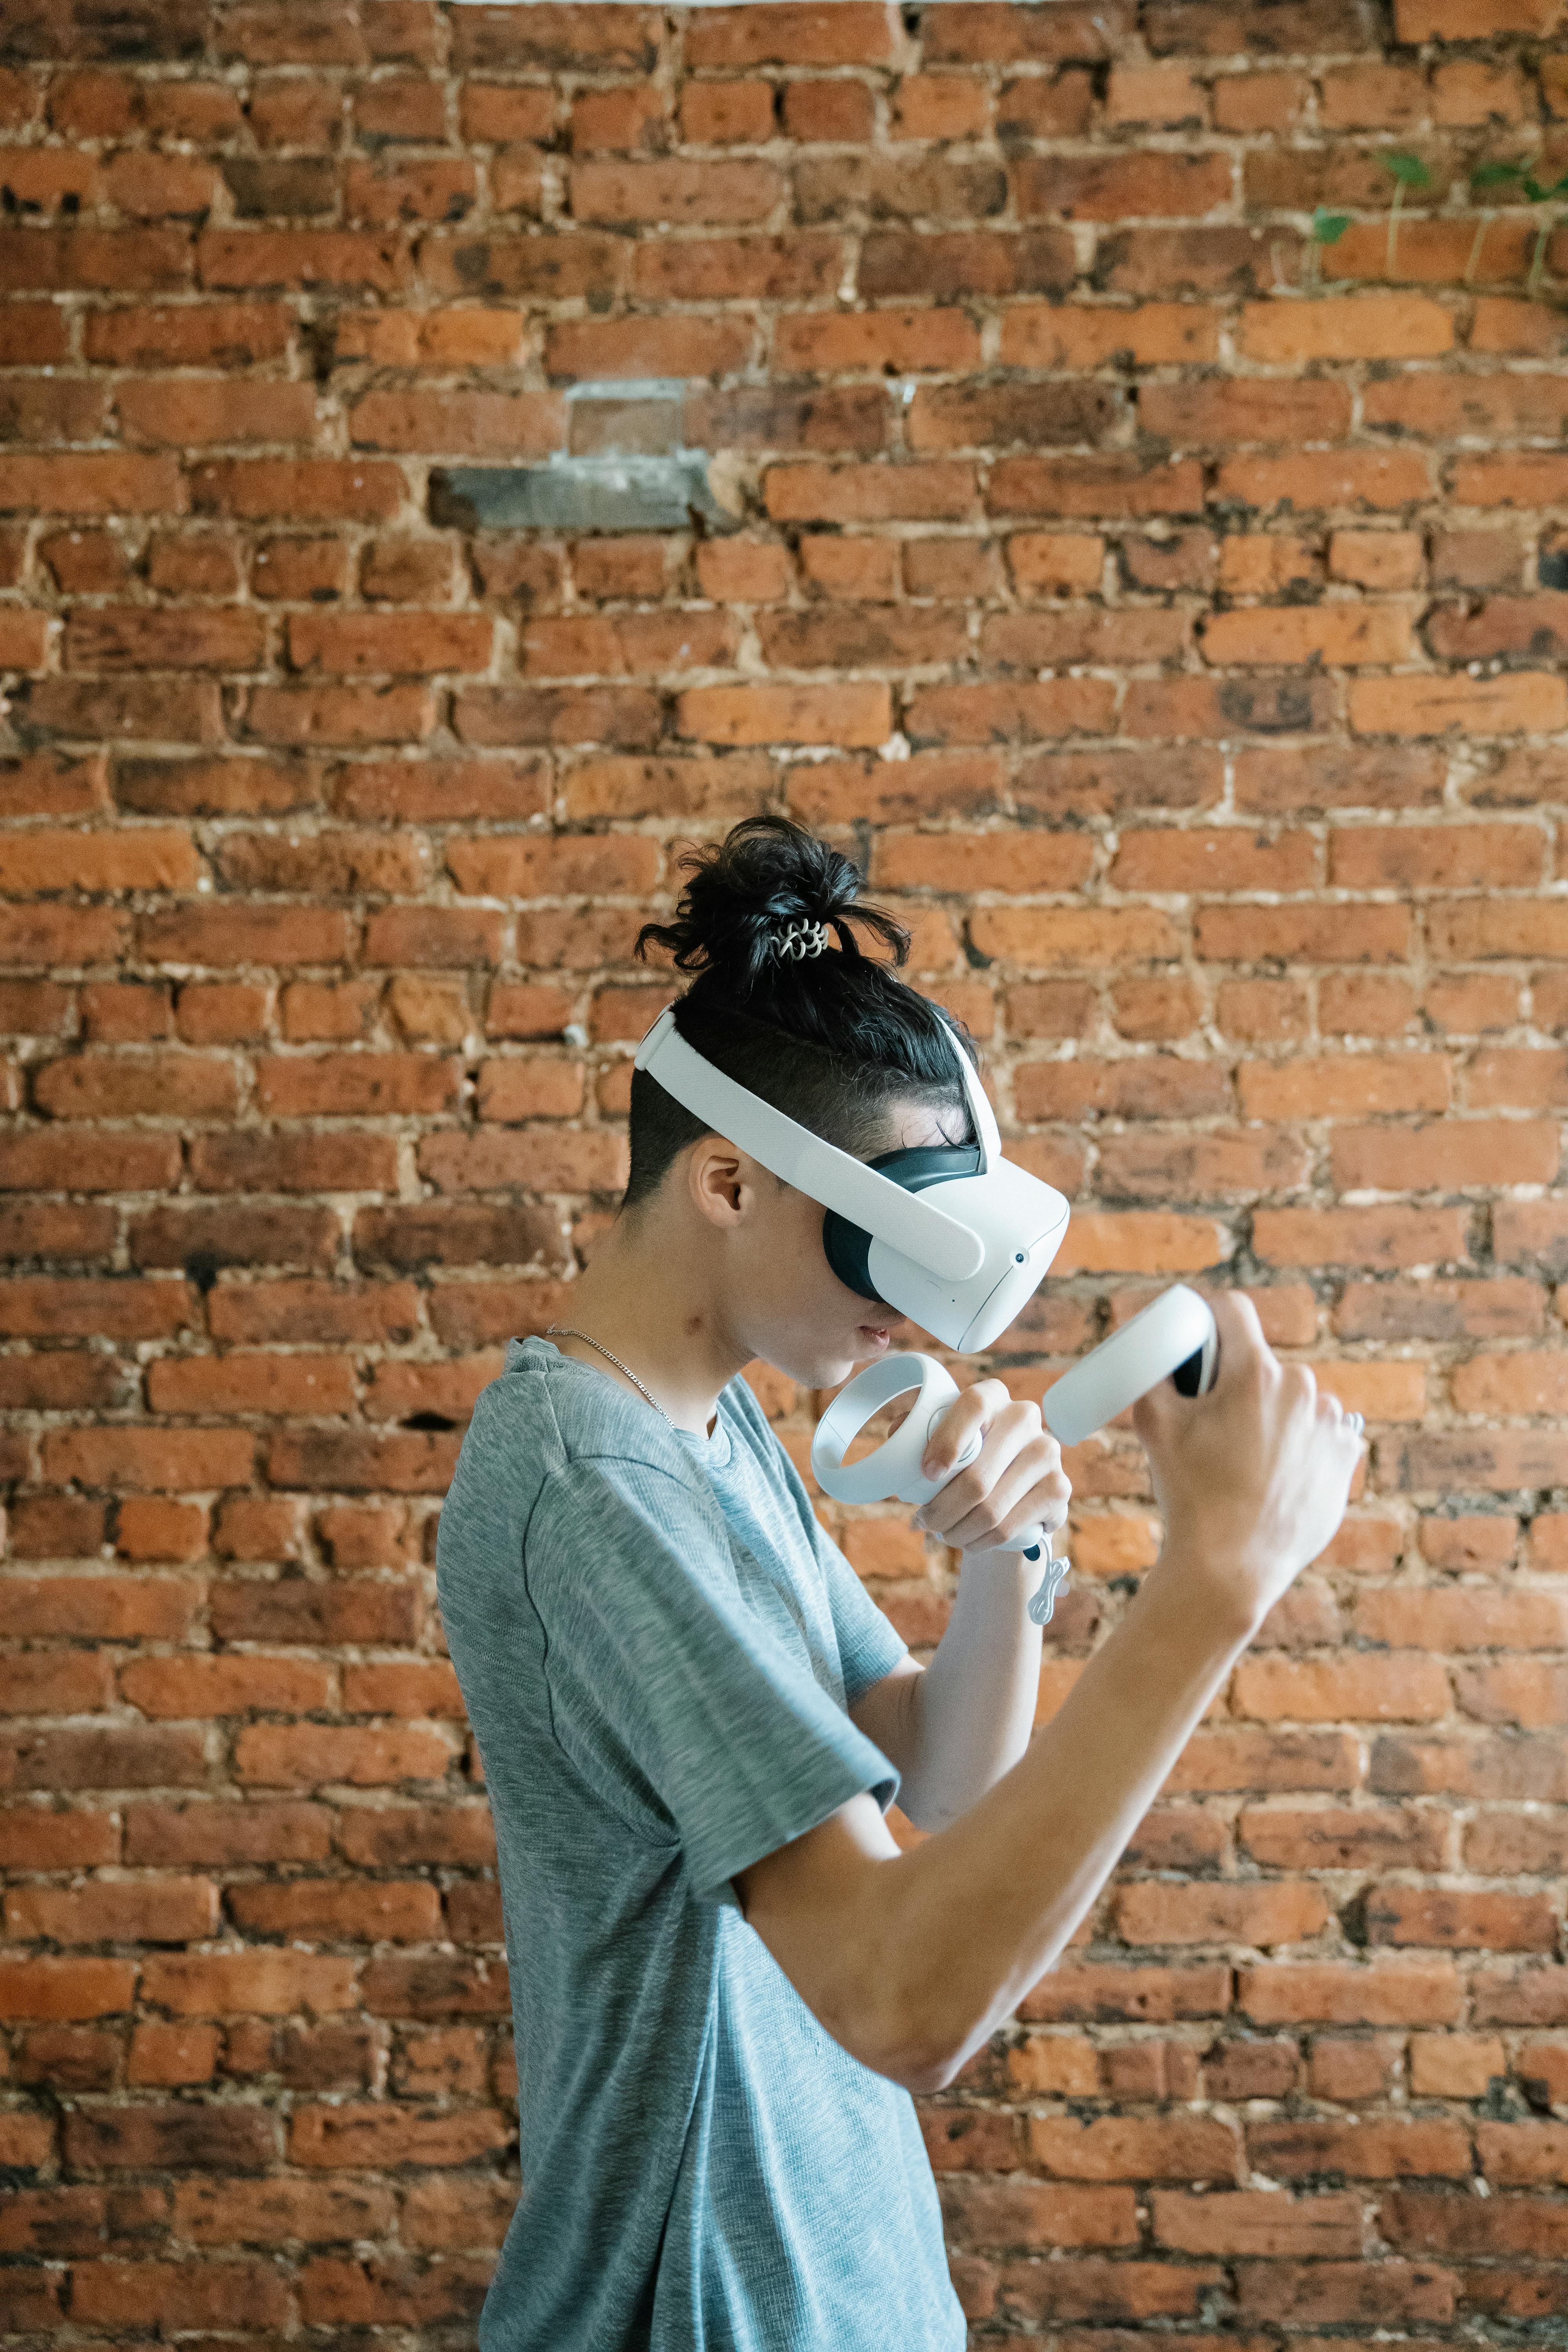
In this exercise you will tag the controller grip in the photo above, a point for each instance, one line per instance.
(1174, 1338)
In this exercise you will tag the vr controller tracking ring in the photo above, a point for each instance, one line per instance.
(893, 1471)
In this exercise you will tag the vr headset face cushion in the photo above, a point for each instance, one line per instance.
(849, 1245)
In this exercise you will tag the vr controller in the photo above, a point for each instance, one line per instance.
(1173, 1339)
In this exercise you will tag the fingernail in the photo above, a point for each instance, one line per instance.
(930, 1466)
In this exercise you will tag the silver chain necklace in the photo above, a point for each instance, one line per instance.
(568, 1331)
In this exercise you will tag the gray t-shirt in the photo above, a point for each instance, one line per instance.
(658, 1643)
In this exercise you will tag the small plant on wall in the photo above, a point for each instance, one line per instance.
(1545, 200)
(1409, 171)
(1326, 229)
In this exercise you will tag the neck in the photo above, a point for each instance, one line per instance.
(637, 1300)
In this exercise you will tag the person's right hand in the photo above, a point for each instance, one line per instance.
(1252, 1479)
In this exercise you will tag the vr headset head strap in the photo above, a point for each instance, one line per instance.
(907, 1222)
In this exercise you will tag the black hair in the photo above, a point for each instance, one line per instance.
(834, 1039)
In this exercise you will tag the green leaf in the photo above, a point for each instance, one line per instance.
(1535, 191)
(1408, 170)
(1496, 176)
(1329, 227)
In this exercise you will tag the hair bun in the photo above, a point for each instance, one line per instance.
(767, 872)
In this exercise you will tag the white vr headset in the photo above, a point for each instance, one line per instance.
(951, 1235)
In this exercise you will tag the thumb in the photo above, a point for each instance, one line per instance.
(1156, 1412)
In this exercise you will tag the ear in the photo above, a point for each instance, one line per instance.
(716, 1175)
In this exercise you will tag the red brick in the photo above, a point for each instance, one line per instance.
(1364, 1837)
(64, 1988)
(68, 2057)
(296, 1163)
(335, 1911)
(1375, 2148)
(224, 2213)
(137, 1085)
(1500, 1459)
(792, 32)
(1120, 2148)
(1471, 1152)
(1339, 635)
(1390, 1686)
(1441, 1916)
(218, 1834)
(1386, 1236)
(1432, 2221)
(357, 2136)
(367, 1085)
(677, 193)
(407, 792)
(643, 347)
(149, 1526)
(300, 1756)
(876, 341)
(252, 1983)
(164, 2056)
(999, 713)
(413, 1687)
(1264, 1915)
(34, 1838)
(149, 1460)
(1520, 1077)
(786, 714)
(1423, 20)
(329, 487)
(1336, 2292)
(224, 1685)
(112, 1608)
(1432, 704)
(149, 1911)
(1515, 1690)
(834, 111)
(1168, 859)
(323, 1313)
(931, 491)
(1250, 2222)
(1342, 1086)
(86, 483)
(358, 645)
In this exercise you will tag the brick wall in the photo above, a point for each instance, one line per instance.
(1181, 649)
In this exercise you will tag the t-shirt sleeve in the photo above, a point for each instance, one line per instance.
(697, 1722)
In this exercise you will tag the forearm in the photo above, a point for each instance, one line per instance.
(972, 1711)
(974, 1916)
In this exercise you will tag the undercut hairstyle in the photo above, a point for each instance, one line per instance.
(835, 1040)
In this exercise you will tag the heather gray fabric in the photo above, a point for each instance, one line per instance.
(658, 1643)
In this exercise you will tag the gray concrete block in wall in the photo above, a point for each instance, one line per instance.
(582, 493)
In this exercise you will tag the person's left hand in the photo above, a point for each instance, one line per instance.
(1014, 1482)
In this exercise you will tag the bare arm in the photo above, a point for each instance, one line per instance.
(925, 1954)
(955, 1727)
(912, 1960)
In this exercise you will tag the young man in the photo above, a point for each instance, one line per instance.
(727, 1978)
